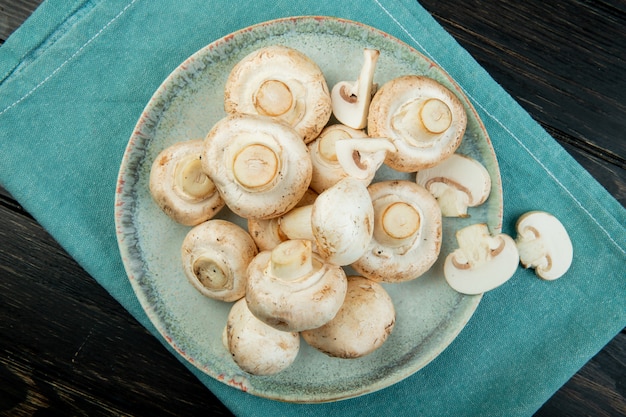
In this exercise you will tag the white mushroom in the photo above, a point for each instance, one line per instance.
(260, 166)
(457, 183)
(339, 222)
(407, 232)
(351, 100)
(180, 187)
(544, 244)
(362, 324)
(292, 289)
(280, 82)
(266, 233)
(341, 151)
(482, 262)
(215, 257)
(425, 121)
(255, 347)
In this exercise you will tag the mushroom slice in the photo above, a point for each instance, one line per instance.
(362, 324)
(327, 170)
(339, 222)
(351, 100)
(407, 232)
(280, 82)
(255, 347)
(180, 187)
(259, 165)
(482, 262)
(361, 158)
(457, 183)
(215, 257)
(544, 244)
(292, 289)
(425, 121)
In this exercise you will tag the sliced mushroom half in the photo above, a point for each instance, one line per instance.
(180, 186)
(280, 82)
(215, 257)
(424, 119)
(457, 183)
(255, 347)
(482, 262)
(341, 151)
(544, 244)
(292, 289)
(351, 100)
(407, 232)
(259, 164)
(362, 324)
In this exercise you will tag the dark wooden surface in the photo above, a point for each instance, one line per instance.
(67, 348)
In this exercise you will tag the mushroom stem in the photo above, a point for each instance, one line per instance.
(397, 222)
(476, 246)
(435, 115)
(192, 180)
(292, 259)
(210, 272)
(255, 166)
(296, 224)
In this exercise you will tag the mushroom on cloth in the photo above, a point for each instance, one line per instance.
(292, 289)
(180, 187)
(215, 257)
(259, 165)
(283, 83)
(423, 118)
(407, 232)
(544, 244)
(482, 262)
(457, 183)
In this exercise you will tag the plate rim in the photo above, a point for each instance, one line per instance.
(123, 212)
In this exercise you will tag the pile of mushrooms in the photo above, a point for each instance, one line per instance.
(304, 187)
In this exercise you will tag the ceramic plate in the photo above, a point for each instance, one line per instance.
(429, 313)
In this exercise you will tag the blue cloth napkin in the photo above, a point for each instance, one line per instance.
(76, 76)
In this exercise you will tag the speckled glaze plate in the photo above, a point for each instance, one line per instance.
(429, 313)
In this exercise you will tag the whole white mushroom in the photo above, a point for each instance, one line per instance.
(255, 347)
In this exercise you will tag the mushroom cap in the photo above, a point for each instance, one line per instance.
(362, 324)
(255, 347)
(458, 182)
(414, 251)
(215, 257)
(409, 110)
(327, 170)
(342, 221)
(259, 164)
(300, 302)
(180, 187)
(544, 244)
(482, 262)
(283, 83)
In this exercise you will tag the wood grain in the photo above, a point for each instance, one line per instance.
(68, 348)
